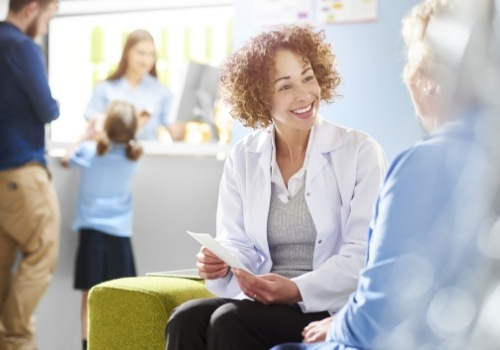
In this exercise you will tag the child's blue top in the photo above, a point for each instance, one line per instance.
(104, 200)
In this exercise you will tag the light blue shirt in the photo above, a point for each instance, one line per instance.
(149, 95)
(104, 201)
(420, 284)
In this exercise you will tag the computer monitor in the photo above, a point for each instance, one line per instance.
(195, 99)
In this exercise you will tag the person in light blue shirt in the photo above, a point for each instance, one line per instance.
(104, 203)
(426, 265)
(135, 81)
(104, 197)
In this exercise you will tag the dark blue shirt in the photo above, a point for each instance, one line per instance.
(26, 102)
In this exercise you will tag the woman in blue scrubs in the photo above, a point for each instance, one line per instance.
(135, 81)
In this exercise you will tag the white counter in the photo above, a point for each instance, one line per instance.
(209, 149)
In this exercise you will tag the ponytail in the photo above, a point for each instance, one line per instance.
(133, 150)
(103, 144)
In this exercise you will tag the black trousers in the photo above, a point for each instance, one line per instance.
(228, 324)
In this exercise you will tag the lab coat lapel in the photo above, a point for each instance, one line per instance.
(326, 140)
(260, 195)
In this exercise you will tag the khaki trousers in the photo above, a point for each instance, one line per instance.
(29, 225)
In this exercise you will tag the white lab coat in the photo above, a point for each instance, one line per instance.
(344, 172)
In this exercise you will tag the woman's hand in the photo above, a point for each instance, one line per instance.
(316, 332)
(210, 266)
(143, 116)
(268, 289)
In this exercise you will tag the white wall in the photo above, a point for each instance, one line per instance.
(4, 5)
(371, 59)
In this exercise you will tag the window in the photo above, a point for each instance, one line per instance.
(85, 43)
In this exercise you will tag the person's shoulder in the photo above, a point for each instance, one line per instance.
(152, 81)
(16, 42)
(149, 79)
(448, 162)
(348, 137)
(436, 155)
(107, 83)
(88, 148)
(254, 142)
(153, 87)
(11, 34)
(444, 142)
(101, 87)
(83, 154)
(117, 155)
(355, 135)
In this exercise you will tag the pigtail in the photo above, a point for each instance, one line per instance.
(133, 150)
(103, 144)
(120, 127)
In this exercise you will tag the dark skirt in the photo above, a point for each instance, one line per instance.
(102, 257)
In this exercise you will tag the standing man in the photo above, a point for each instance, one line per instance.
(29, 209)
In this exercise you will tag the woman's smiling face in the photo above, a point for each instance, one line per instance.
(295, 93)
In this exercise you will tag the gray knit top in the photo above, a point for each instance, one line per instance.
(291, 235)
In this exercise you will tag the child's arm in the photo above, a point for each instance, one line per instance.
(89, 134)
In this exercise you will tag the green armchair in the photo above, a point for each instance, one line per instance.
(131, 313)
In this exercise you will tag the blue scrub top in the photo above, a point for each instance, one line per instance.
(150, 95)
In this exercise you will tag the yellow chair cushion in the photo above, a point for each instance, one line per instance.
(131, 313)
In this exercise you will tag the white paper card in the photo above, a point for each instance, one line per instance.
(215, 247)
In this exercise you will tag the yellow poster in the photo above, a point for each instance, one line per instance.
(345, 11)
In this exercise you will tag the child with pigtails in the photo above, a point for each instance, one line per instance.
(107, 160)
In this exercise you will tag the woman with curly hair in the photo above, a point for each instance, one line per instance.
(295, 201)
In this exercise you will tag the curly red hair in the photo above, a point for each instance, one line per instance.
(246, 75)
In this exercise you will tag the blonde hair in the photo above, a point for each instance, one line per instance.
(120, 127)
(421, 55)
